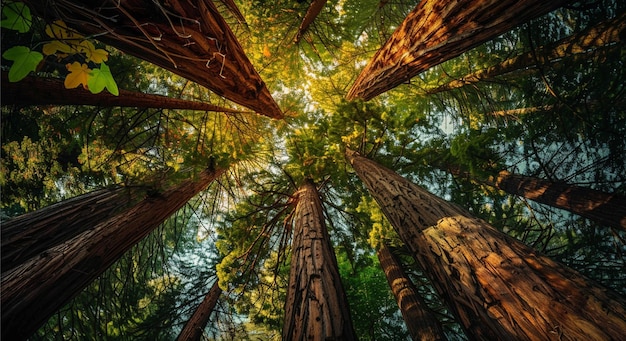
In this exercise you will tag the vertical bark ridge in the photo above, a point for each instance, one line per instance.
(316, 307)
(436, 31)
(32, 292)
(419, 319)
(499, 288)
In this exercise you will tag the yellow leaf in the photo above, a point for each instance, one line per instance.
(266, 52)
(58, 30)
(95, 55)
(79, 74)
(54, 46)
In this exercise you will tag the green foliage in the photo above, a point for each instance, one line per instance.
(24, 62)
(16, 16)
(102, 78)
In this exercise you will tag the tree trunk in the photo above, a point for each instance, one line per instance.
(32, 292)
(188, 38)
(32, 233)
(436, 31)
(604, 34)
(232, 8)
(316, 307)
(499, 288)
(604, 208)
(419, 319)
(195, 325)
(314, 10)
(51, 91)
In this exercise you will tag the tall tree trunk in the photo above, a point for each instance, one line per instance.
(604, 208)
(312, 12)
(188, 38)
(419, 319)
(39, 90)
(32, 292)
(436, 31)
(32, 233)
(316, 307)
(499, 288)
(232, 8)
(604, 34)
(195, 325)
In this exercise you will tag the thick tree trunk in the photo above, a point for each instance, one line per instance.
(604, 208)
(499, 288)
(314, 10)
(195, 325)
(32, 292)
(419, 319)
(32, 233)
(51, 91)
(188, 38)
(604, 34)
(436, 31)
(316, 307)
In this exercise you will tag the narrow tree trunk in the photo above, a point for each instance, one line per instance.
(188, 38)
(196, 324)
(51, 91)
(514, 113)
(499, 288)
(604, 208)
(316, 307)
(436, 31)
(32, 233)
(314, 10)
(604, 34)
(232, 8)
(419, 319)
(32, 292)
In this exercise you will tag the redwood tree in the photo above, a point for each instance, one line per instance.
(32, 292)
(314, 10)
(419, 319)
(32, 233)
(196, 323)
(436, 31)
(316, 307)
(499, 288)
(188, 38)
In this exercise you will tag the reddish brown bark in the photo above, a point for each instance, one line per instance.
(232, 7)
(196, 324)
(316, 307)
(419, 319)
(188, 38)
(32, 292)
(51, 91)
(314, 10)
(32, 233)
(604, 34)
(604, 208)
(499, 288)
(436, 31)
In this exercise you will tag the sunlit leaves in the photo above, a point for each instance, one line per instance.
(100, 79)
(24, 61)
(79, 75)
(16, 16)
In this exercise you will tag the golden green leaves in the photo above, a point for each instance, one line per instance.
(66, 45)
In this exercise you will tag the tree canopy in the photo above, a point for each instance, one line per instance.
(557, 113)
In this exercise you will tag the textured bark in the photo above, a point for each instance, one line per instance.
(316, 307)
(604, 34)
(32, 292)
(419, 319)
(32, 233)
(196, 324)
(188, 38)
(436, 31)
(51, 91)
(604, 208)
(499, 288)
(314, 10)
